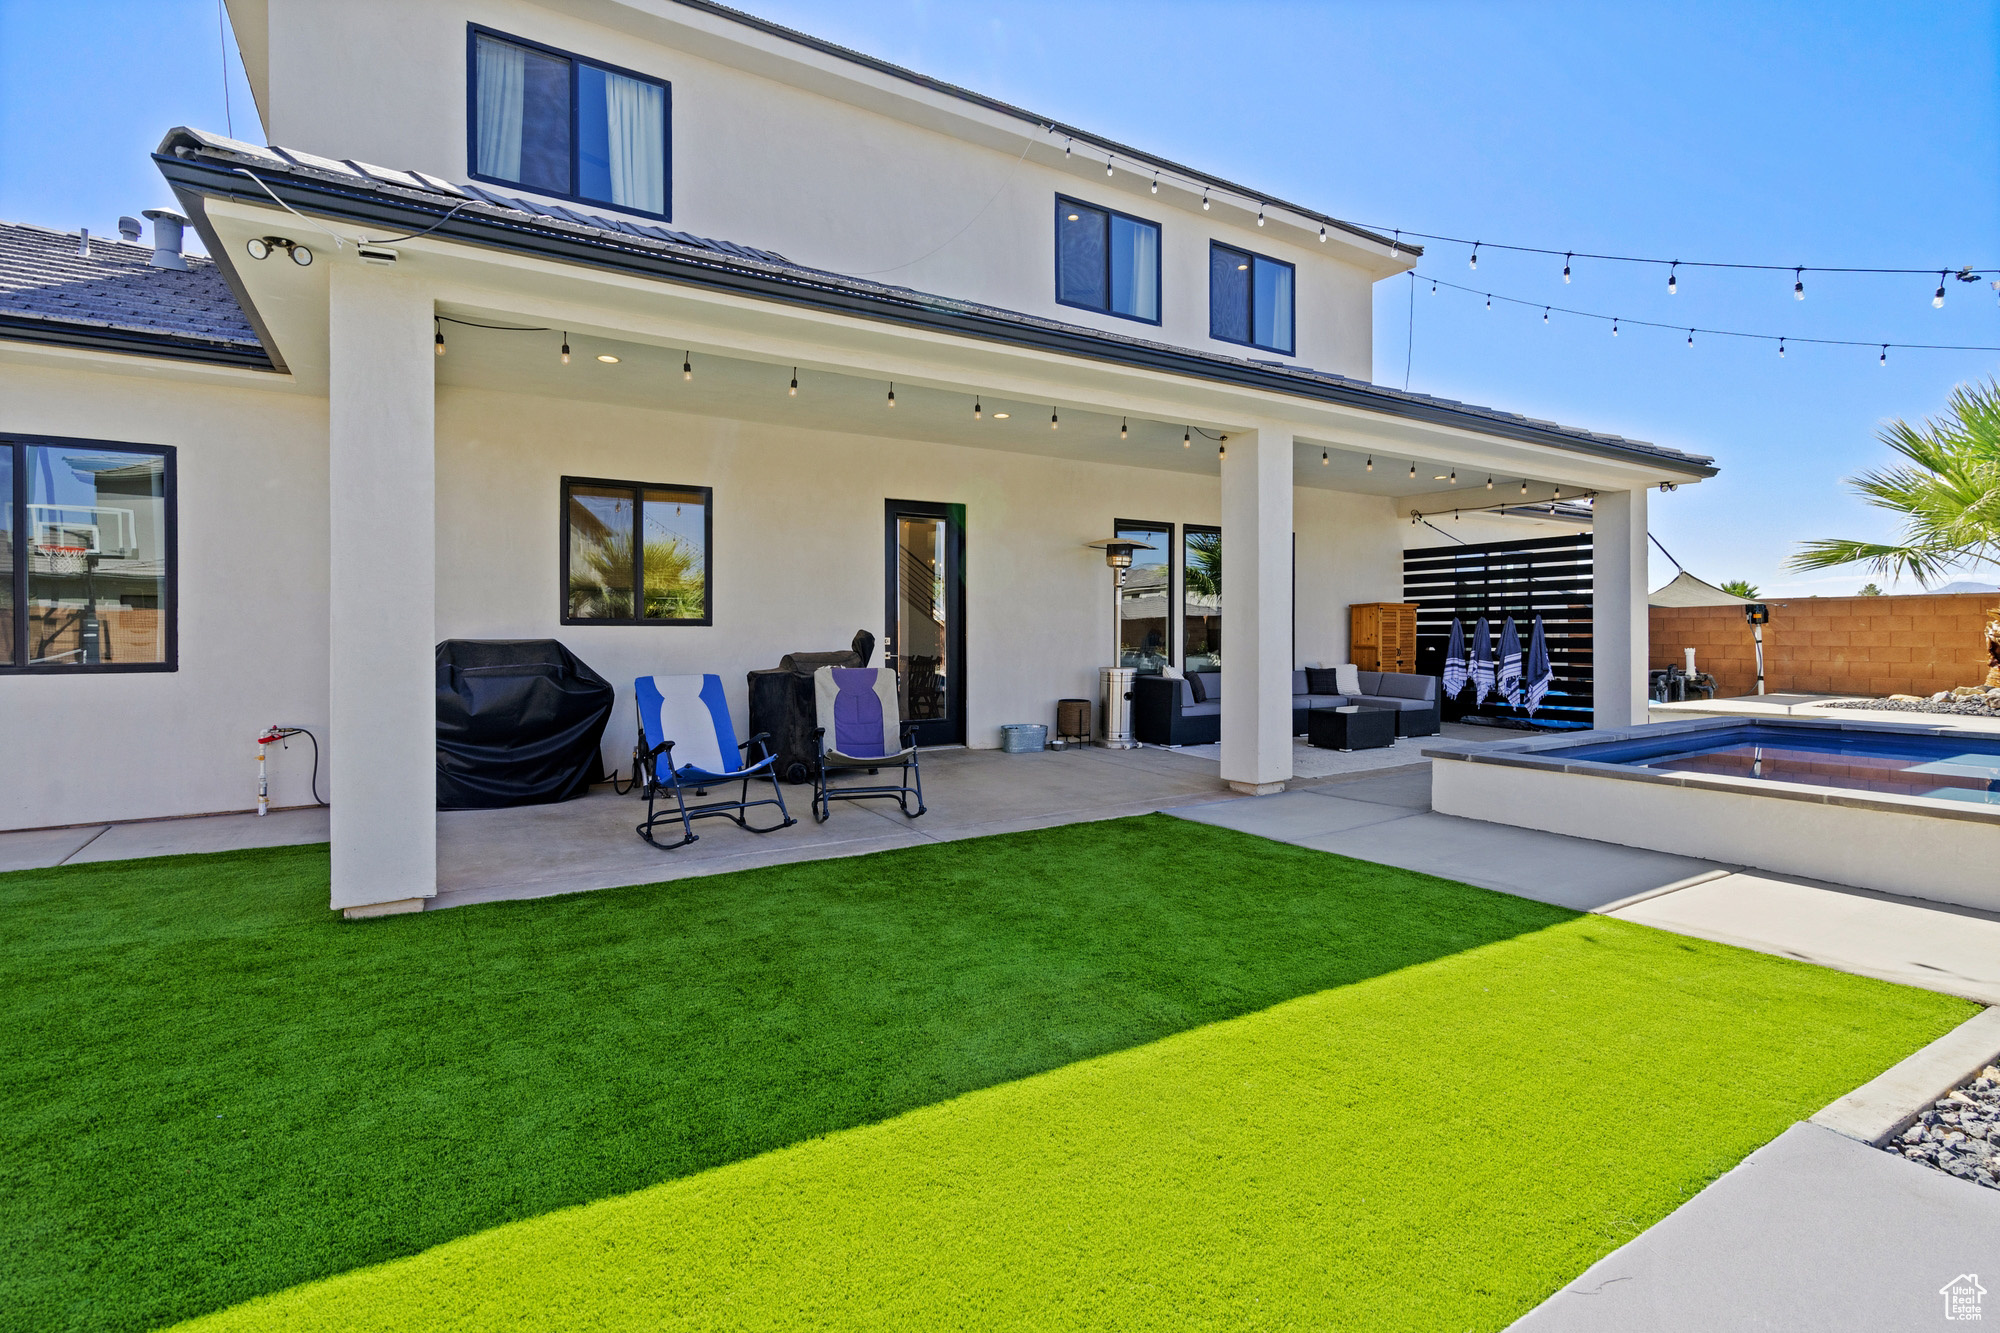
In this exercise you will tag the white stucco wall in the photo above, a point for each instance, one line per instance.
(253, 637)
(798, 565)
(799, 533)
(831, 165)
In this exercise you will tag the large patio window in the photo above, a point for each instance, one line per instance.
(86, 556)
(558, 124)
(1106, 260)
(1201, 600)
(1145, 606)
(1249, 298)
(635, 554)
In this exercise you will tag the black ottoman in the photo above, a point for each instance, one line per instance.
(1355, 727)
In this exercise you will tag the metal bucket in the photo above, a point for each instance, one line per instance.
(1114, 686)
(1023, 737)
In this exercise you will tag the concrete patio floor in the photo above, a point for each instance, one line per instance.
(1813, 1230)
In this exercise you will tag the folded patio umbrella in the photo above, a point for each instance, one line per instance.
(1540, 675)
(1454, 661)
(1481, 663)
(1507, 680)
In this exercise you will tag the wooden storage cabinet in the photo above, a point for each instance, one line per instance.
(1382, 636)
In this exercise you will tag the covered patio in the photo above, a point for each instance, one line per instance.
(807, 400)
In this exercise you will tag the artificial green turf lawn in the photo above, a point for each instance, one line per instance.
(212, 1089)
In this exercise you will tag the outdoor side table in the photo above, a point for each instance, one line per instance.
(1354, 727)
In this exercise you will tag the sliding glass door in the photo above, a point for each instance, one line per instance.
(926, 616)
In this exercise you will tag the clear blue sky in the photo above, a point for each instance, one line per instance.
(1821, 133)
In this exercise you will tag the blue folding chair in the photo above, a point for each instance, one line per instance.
(690, 712)
(861, 729)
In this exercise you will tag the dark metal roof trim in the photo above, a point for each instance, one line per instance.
(103, 338)
(188, 167)
(1111, 147)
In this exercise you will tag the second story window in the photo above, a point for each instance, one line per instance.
(557, 124)
(1107, 261)
(1249, 299)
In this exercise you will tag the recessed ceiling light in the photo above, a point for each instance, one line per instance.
(1002, 416)
(1072, 217)
(1438, 477)
(607, 358)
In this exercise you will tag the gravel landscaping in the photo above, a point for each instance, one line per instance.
(1969, 702)
(1960, 1135)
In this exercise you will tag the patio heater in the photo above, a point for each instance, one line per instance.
(1115, 681)
(1759, 615)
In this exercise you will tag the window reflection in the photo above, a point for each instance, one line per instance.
(923, 665)
(7, 555)
(1201, 632)
(96, 529)
(1145, 601)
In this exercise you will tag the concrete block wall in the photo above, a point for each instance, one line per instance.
(1916, 644)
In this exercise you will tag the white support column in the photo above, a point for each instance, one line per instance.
(382, 474)
(1257, 620)
(1619, 624)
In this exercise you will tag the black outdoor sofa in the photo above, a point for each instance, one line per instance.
(1189, 712)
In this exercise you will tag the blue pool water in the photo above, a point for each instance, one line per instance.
(1957, 768)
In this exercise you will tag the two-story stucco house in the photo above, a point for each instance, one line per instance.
(523, 282)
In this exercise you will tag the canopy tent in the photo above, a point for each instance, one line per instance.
(1687, 590)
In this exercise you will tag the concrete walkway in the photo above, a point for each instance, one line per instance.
(1811, 1231)
(1386, 817)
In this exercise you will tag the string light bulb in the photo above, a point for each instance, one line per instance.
(1781, 347)
(1454, 476)
(1322, 234)
(1566, 259)
(892, 393)
(1052, 418)
(438, 343)
(1673, 284)
(1524, 485)
(1323, 459)
(1156, 182)
(1489, 300)
(1489, 483)
(1066, 145)
(1121, 428)
(1371, 463)
(1690, 337)
(1413, 472)
(565, 347)
(1260, 219)
(1614, 326)
(1937, 301)
(1545, 314)
(1222, 450)
(1473, 263)
(794, 390)
(1107, 166)
(1883, 360)
(687, 365)
(1798, 284)
(977, 410)
(1186, 438)
(1204, 198)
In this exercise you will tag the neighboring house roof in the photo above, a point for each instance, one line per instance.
(406, 203)
(1131, 158)
(112, 300)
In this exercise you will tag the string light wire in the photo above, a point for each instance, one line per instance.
(1616, 320)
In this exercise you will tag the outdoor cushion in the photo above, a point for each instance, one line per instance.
(1202, 710)
(857, 707)
(1347, 679)
(1321, 680)
(1299, 685)
(1396, 685)
(692, 712)
(1401, 703)
(1319, 701)
(1369, 682)
(1207, 686)
(1187, 694)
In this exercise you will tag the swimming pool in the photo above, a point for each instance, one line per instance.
(1906, 809)
(1952, 768)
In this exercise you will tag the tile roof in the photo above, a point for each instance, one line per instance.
(484, 216)
(114, 292)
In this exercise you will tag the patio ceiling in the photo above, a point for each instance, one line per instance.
(649, 376)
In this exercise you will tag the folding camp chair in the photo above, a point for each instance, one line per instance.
(689, 712)
(861, 729)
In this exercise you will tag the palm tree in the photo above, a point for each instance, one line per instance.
(1947, 492)
(1741, 588)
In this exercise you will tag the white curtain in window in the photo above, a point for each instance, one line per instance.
(636, 114)
(502, 98)
(1145, 273)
